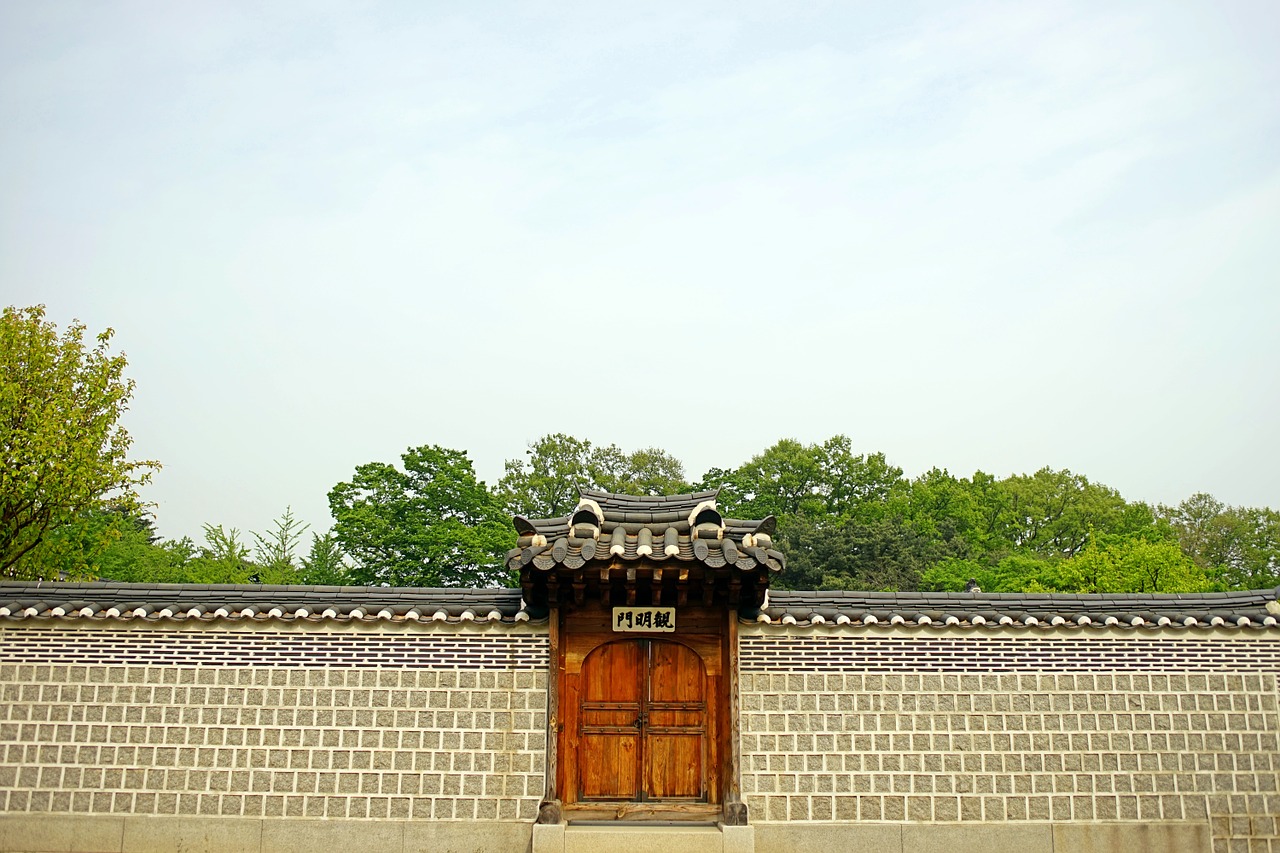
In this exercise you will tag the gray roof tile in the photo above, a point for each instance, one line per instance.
(635, 513)
(1247, 609)
(19, 599)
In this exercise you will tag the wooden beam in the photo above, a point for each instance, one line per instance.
(735, 811)
(549, 808)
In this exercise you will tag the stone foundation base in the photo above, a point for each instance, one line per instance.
(1173, 837)
(62, 833)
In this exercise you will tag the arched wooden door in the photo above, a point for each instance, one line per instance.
(642, 723)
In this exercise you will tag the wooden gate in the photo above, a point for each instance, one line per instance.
(642, 723)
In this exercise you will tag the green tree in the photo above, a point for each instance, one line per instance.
(276, 551)
(136, 556)
(545, 485)
(431, 523)
(325, 563)
(817, 481)
(64, 452)
(1054, 513)
(949, 509)
(224, 558)
(883, 554)
(1013, 573)
(1134, 565)
(1237, 546)
(74, 550)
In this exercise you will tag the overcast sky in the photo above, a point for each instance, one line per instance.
(989, 236)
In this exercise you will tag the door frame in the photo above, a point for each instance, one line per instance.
(576, 633)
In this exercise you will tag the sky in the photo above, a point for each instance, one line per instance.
(972, 235)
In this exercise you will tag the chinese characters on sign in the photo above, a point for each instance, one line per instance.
(644, 618)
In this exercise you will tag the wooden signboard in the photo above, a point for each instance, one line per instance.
(645, 619)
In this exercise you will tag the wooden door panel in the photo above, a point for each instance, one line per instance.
(676, 674)
(673, 765)
(611, 690)
(608, 766)
(641, 723)
(613, 672)
(675, 731)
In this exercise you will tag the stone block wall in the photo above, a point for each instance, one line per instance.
(901, 726)
(418, 722)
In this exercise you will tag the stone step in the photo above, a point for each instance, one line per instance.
(642, 838)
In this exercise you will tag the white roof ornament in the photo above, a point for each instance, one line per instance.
(587, 505)
(705, 517)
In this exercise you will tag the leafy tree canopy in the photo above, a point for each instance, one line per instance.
(546, 483)
(429, 523)
(1240, 545)
(817, 481)
(883, 554)
(64, 451)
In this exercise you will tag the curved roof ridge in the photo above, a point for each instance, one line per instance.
(118, 600)
(1233, 609)
(619, 500)
(1259, 595)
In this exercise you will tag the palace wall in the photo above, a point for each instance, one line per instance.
(146, 737)
(1090, 740)
(270, 735)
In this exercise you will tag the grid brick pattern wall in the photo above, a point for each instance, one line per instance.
(454, 649)
(447, 743)
(822, 744)
(824, 653)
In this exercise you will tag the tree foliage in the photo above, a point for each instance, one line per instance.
(65, 453)
(325, 563)
(134, 553)
(817, 481)
(882, 554)
(1241, 545)
(276, 551)
(429, 523)
(546, 483)
(852, 521)
(845, 520)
